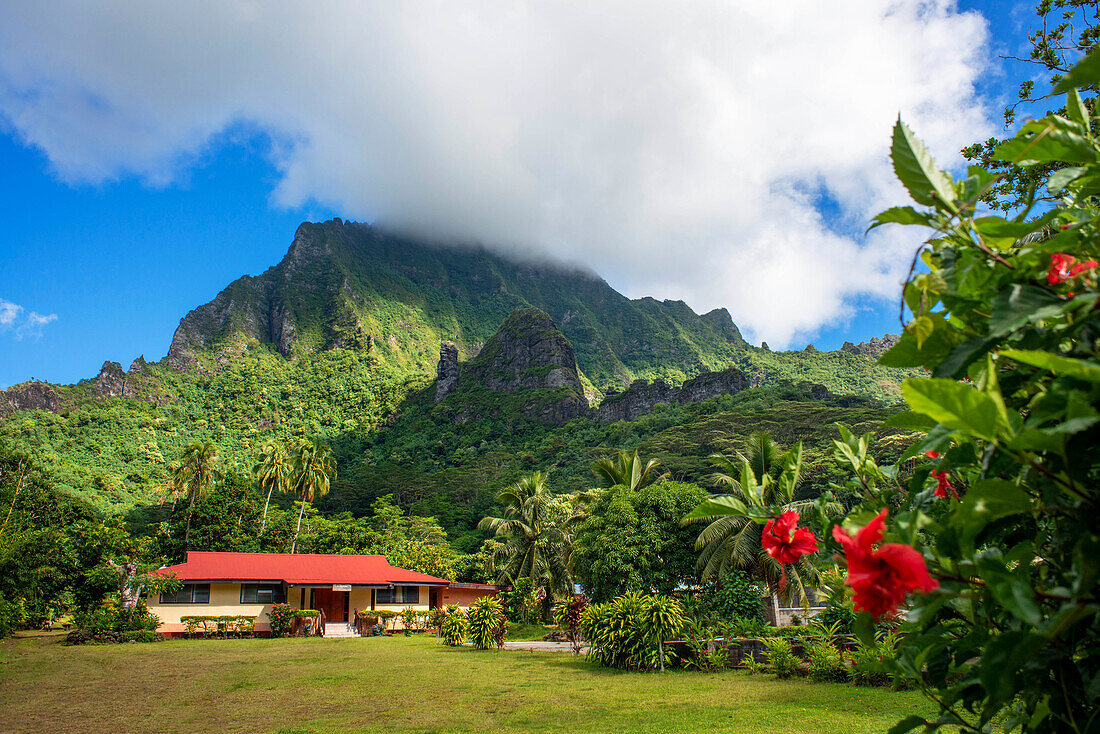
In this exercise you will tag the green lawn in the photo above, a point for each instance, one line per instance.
(400, 684)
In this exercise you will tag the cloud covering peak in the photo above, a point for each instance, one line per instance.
(725, 153)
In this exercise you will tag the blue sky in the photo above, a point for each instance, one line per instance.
(120, 255)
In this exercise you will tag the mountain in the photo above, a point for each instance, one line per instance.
(444, 366)
(348, 285)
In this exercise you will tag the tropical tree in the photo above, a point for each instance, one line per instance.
(763, 488)
(274, 469)
(199, 469)
(314, 470)
(534, 529)
(627, 469)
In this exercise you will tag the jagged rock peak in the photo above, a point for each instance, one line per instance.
(527, 352)
(874, 347)
(33, 395)
(447, 371)
(138, 365)
(111, 381)
(642, 397)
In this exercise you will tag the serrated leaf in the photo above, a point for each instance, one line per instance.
(1075, 108)
(1059, 365)
(901, 215)
(909, 723)
(956, 406)
(917, 170)
(1001, 228)
(1050, 140)
(1018, 304)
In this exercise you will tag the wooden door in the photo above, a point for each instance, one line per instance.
(333, 603)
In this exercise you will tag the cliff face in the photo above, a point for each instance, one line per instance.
(642, 397)
(874, 347)
(30, 396)
(528, 357)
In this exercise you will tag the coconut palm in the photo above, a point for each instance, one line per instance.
(273, 470)
(536, 543)
(314, 470)
(627, 469)
(199, 469)
(762, 487)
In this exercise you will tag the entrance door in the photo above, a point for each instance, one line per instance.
(333, 603)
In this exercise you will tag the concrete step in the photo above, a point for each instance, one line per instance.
(340, 629)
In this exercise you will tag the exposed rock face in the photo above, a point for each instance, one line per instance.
(29, 396)
(447, 371)
(527, 354)
(642, 397)
(874, 348)
(819, 392)
(111, 381)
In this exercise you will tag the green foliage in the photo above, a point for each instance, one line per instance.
(733, 598)
(521, 600)
(629, 631)
(632, 540)
(782, 660)
(826, 663)
(455, 628)
(140, 636)
(1002, 501)
(12, 617)
(487, 623)
(704, 654)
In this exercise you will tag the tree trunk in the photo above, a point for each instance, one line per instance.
(294, 543)
(661, 651)
(129, 589)
(187, 532)
(264, 523)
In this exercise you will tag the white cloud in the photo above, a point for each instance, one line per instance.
(11, 319)
(9, 312)
(680, 149)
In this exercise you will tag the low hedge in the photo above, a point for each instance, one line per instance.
(226, 624)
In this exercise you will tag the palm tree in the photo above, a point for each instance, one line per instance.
(762, 487)
(627, 469)
(273, 470)
(199, 469)
(531, 528)
(314, 470)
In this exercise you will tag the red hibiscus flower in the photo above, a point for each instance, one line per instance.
(882, 577)
(1063, 267)
(786, 543)
(943, 479)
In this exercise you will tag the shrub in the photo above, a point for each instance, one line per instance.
(629, 631)
(386, 615)
(836, 613)
(826, 662)
(410, 619)
(281, 617)
(11, 616)
(703, 656)
(734, 598)
(782, 659)
(454, 629)
(436, 618)
(567, 615)
(140, 636)
(487, 623)
(874, 664)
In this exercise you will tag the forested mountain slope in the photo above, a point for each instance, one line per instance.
(338, 341)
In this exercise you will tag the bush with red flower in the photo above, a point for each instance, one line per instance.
(998, 591)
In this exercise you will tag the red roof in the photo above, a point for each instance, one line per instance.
(300, 568)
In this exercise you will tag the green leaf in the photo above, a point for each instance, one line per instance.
(725, 505)
(1012, 590)
(999, 227)
(1018, 304)
(1084, 74)
(909, 723)
(991, 499)
(1075, 108)
(1059, 365)
(921, 328)
(956, 406)
(901, 215)
(1003, 655)
(1050, 140)
(917, 170)
(910, 420)
(1063, 178)
(962, 356)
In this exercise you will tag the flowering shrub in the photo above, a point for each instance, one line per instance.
(281, 617)
(1002, 582)
(567, 615)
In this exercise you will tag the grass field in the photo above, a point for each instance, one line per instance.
(299, 686)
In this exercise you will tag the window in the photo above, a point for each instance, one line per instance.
(188, 594)
(262, 594)
(398, 595)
